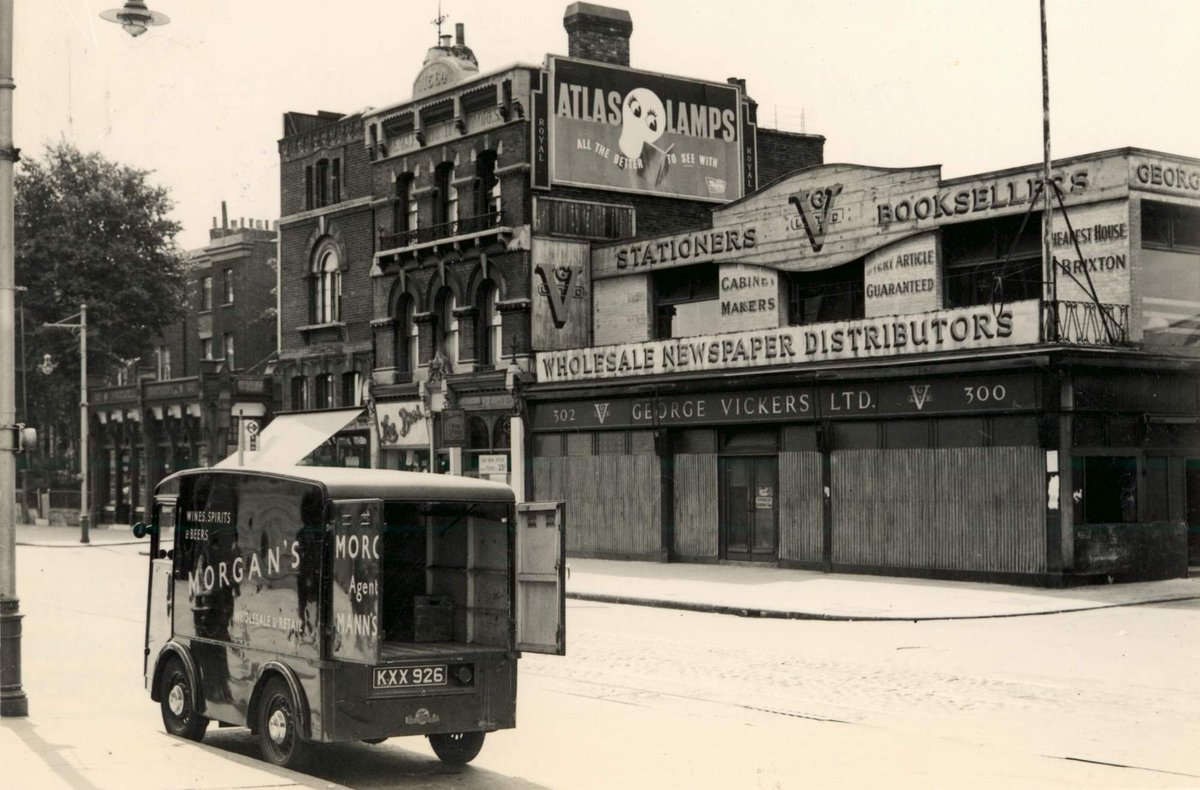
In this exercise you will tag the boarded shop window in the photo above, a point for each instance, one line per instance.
(1089, 431)
(962, 432)
(831, 295)
(800, 438)
(547, 445)
(696, 441)
(750, 441)
(1105, 489)
(580, 444)
(907, 434)
(686, 301)
(641, 442)
(1157, 470)
(855, 436)
(610, 443)
(993, 260)
(1124, 431)
(1014, 431)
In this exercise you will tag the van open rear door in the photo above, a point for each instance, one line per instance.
(354, 589)
(541, 577)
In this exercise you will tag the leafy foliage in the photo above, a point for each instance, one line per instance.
(89, 230)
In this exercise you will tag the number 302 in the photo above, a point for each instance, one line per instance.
(564, 415)
(984, 393)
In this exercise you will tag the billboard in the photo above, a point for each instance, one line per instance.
(636, 131)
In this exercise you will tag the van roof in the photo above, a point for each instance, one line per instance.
(342, 483)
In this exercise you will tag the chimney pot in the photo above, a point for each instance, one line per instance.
(460, 34)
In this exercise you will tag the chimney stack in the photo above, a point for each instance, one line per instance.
(460, 36)
(597, 32)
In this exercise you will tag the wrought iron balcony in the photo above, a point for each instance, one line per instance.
(1086, 323)
(465, 226)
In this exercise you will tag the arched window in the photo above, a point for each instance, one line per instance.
(446, 327)
(404, 337)
(488, 345)
(487, 186)
(446, 195)
(327, 286)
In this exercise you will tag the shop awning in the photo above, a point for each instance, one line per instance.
(291, 437)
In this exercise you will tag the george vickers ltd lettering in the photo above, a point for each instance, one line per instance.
(686, 247)
(878, 337)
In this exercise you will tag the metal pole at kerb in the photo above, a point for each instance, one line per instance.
(84, 515)
(1050, 292)
(13, 701)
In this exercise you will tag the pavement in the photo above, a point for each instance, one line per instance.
(89, 730)
(783, 593)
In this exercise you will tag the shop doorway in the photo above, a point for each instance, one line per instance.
(749, 508)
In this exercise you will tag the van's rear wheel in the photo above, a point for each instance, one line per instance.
(279, 723)
(175, 697)
(456, 748)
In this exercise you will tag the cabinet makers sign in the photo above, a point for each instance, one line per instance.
(616, 128)
(946, 330)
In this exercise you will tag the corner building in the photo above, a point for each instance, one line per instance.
(431, 247)
(861, 369)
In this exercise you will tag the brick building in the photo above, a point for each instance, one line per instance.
(429, 248)
(181, 408)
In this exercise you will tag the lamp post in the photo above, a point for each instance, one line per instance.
(135, 18)
(84, 515)
(13, 701)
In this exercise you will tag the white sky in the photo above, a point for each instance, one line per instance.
(891, 83)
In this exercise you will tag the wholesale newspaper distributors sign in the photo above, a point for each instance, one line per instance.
(985, 326)
(616, 128)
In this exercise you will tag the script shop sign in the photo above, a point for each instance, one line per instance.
(982, 327)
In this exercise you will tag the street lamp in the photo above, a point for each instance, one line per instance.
(134, 17)
(47, 368)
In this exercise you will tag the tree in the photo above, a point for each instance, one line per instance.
(89, 230)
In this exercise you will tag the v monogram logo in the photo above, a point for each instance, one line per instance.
(814, 206)
(601, 412)
(556, 285)
(920, 395)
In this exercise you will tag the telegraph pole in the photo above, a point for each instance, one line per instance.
(1050, 292)
(13, 701)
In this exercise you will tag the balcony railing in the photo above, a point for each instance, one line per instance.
(1086, 323)
(465, 226)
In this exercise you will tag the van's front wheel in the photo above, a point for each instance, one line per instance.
(279, 726)
(456, 748)
(175, 697)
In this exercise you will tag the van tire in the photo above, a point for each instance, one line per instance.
(179, 714)
(456, 748)
(280, 726)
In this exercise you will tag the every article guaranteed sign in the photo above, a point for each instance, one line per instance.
(979, 327)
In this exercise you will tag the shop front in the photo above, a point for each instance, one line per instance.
(866, 370)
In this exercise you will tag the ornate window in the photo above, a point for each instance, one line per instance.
(445, 206)
(326, 286)
(488, 345)
(446, 327)
(404, 335)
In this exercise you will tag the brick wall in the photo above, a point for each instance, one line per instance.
(780, 153)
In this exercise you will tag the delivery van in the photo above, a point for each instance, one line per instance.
(316, 605)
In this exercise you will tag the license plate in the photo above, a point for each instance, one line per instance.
(408, 677)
